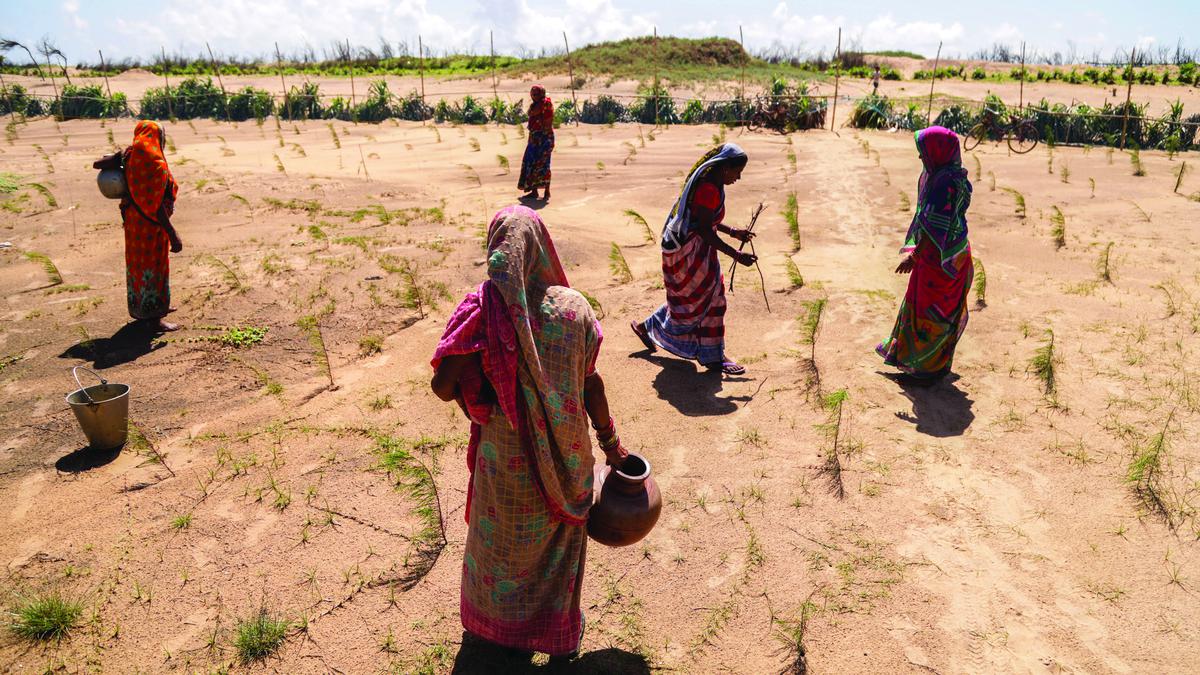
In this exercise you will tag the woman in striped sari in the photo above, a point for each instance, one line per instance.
(519, 355)
(535, 165)
(937, 254)
(691, 324)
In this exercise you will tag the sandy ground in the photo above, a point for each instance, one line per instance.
(985, 527)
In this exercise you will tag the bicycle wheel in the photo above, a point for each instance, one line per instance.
(974, 136)
(1023, 138)
(755, 121)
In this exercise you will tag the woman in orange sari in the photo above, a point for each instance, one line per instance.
(146, 212)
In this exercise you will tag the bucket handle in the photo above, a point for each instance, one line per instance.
(83, 388)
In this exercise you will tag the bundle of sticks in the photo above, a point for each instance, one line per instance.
(733, 267)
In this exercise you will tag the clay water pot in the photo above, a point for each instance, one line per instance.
(627, 503)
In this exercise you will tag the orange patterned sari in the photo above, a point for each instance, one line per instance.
(152, 192)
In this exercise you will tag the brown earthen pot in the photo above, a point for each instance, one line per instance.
(627, 503)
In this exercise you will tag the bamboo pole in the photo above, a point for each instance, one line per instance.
(104, 72)
(655, 91)
(837, 75)
(350, 54)
(1128, 94)
(492, 51)
(421, 65)
(1021, 99)
(282, 82)
(932, 82)
(571, 74)
(742, 42)
(50, 69)
(217, 69)
(170, 104)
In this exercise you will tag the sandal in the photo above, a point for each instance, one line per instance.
(727, 367)
(639, 330)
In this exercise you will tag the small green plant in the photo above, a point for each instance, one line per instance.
(415, 478)
(618, 265)
(1141, 212)
(1018, 200)
(503, 162)
(980, 284)
(630, 152)
(1092, 182)
(991, 182)
(1145, 473)
(370, 344)
(791, 214)
(1043, 365)
(231, 277)
(637, 218)
(810, 326)
(46, 194)
(474, 143)
(1104, 264)
(181, 522)
(310, 325)
(260, 636)
(337, 142)
(1064, 173)
(44, 617)
(597, 308)
(1135, 160)
(52, 274)
(1058, 228)
(905, 202)
(834, 405)
(279, 164)
(795, 279)
(978, 167)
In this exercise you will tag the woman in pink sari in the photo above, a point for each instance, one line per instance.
(519, 355)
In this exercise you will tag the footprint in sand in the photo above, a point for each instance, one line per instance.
(30, 487)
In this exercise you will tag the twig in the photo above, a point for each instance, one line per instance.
(749, 228)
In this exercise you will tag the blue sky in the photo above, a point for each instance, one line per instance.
(132, 28)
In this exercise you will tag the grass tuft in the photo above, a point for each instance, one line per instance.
(618, 265)
(52, 274)
(795, 279)
(1019, 201)
(791, 214)
(1104, 264)
(1043, 365)
(980, 284)
(1135, 160)
(260, 636)
(503, 162)
(637, 218)
(834, 405)
(1058, 230)
(44, 617)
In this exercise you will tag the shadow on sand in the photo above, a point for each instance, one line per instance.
(131, 341)
(691, 390)
(86, 459)
(535, 204)
(939, 409)
(479, 657)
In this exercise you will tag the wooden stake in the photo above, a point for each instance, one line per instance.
(217, 69)
(50, 69)
(655, 91)
(170, 105)
(1128, 94)
(1021, 100)
(571, 74)
(104, 71)
(742, 42)
(837, 75)
(492, 50)
(351, 55)
(933, 81)
(421, 65)
(282, 83)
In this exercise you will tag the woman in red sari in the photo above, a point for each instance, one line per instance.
(937, 254)
(535, 165)
(146, 212)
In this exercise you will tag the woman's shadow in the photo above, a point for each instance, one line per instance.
(131, 341)
(693, 392)
(939, 409)
(479, 657)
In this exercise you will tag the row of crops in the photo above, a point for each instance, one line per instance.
(1058, 123)
(201, 98)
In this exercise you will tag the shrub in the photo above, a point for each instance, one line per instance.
(250, 103)
(604, 110)
(302, 103)
(87, 102)
(190, 98)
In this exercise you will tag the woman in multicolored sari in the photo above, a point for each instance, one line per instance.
(535, 165)
(519, 355)
(937, 254)
(691, 324)
(146, 212)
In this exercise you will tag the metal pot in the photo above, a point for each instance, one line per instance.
(112, 183)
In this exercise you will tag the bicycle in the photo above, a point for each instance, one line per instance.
(772, 115)
(1022, 131)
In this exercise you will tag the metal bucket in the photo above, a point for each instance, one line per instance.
(102, 410)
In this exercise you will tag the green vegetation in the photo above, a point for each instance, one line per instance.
(52, 273)
(1145, 474)
(618, 266)
(370, 344)
(260, 636)
(793, 273)
(1018, 200)
(980, 284)
(834, 405)
(42, 617)
(637, 218)
(1104, 264)
(1058, 229)
(1043, 365)
(415, 478)
(1135, 159)
(791, 214)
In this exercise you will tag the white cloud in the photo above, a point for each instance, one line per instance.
(71, 7)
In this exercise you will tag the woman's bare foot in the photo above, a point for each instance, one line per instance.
(530, 195)
(546, 195)
(166, 326)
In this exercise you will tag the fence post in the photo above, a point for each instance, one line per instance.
(421, 65)
(837, 75)
(742, 42)
(50, 69)
(492, 50)
(1128, 94)
(571, 74)
(217, 69)
(104, 71)
(655, 91)
(1021, 99)
(933, 81)
(350, 55)
(170, 104)
(282, 83)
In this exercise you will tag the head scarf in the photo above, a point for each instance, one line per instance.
(537, 89)
(146, 171)
(677, 220)
(943, 195)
